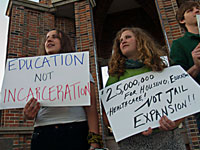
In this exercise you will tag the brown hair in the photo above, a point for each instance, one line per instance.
(149, 52)
(182, 9)
(66, 45)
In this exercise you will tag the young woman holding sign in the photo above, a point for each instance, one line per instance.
(134, 53)
(63, 127)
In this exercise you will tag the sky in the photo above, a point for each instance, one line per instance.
(4, 23)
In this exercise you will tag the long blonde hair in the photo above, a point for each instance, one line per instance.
(149, 52)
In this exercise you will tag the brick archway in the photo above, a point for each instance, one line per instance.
(108, 22)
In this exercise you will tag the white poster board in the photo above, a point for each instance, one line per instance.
(198, 22)
(54, 80)
(137, 103)
(104, 74)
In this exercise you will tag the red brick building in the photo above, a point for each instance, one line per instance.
(92, 26)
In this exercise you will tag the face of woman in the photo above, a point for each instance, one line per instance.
(52, 43)
(128, 45)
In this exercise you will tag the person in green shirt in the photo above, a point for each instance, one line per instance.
(134, 53)
(185, 51)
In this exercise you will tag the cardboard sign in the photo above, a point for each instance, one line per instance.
(137, 103)
(54, 80)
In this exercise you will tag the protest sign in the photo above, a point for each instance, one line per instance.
(54, 80)
(137, 103)
(198, 22)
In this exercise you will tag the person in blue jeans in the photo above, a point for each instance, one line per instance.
(67, 128)
(185, 51)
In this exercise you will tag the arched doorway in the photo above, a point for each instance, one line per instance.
(112, 15)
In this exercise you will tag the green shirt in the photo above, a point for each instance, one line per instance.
(181, 51)
(128, 73)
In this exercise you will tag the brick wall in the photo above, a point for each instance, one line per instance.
(84, 37)
(174, 31)
(167, 10)
(48, 2)
(27, 27)
(68, 26)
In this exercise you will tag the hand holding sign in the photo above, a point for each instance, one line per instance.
(148, 132)
(166, 124)
(31, 109)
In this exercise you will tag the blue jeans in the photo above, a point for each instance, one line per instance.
(69, 136)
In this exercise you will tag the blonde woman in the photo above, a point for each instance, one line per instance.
(135, 53)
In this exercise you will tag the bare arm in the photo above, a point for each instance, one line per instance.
(91, 112)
